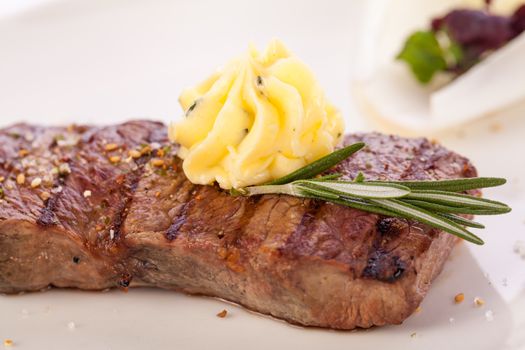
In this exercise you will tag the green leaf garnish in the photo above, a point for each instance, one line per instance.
(424, 55)
(436, 203)
(429, 52)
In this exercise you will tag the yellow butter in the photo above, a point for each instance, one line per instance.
(259, 118)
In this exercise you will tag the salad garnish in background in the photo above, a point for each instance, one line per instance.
(458, 40)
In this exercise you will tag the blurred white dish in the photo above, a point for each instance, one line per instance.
(388, 92)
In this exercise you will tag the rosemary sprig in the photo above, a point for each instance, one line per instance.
(436, 203)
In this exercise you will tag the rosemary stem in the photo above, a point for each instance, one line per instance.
(289, 189)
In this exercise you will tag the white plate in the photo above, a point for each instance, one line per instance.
(152, 319)
(107, 61)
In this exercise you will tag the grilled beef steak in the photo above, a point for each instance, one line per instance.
(101, 207)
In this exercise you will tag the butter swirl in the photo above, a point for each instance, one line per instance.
(260, 117)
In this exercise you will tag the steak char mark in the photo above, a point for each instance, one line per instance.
(103, 207)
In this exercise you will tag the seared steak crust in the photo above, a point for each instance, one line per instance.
(104, 207)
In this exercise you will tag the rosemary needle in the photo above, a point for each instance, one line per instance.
(319, 166)
(452, 185)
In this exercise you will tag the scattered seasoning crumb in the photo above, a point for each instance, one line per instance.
(157, 162)
(45, 195)
(8, 343)
(29, 137)
(114, 159)
(111, 147)
(222, 314)
(71, 326)
(120, 179)
(21, 179)
(489, 316)
(419, 309)
(64, 169)
(2, 178)
(57, 189)
(87, 193)
(135, 154)
(145, 150)
(496, 127)
(478, 302)
(47, 180)
(68, 141)
(58, 137)
(459, 298)
(192, 107)
(519, 248)
(23, 152)
(36, 182)
(487, 277)
(111, 234)
(413, 335)
(157, 194)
